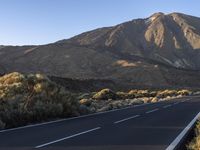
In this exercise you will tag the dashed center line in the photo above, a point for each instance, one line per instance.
(176, 103)
(186, 100)
(167, 106)
(68, 137)
(116, 122)
(152, 111)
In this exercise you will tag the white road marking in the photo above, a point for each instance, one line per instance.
(174, 144)
(176, 103)
(167, 106)
(68, 137)
(116, 122)
(187, 100)
(142, 104)
(83, 116)
(72, 118)
(152, 111)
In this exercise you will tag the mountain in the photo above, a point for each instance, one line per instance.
(161, 50)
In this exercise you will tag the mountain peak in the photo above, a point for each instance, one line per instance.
(161, 14)
(176, 13)
(142, 51)
(156, 15)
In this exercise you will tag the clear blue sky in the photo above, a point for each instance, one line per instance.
(44, 21)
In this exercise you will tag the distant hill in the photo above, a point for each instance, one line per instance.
(158, 51)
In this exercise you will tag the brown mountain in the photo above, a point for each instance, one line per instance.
(162, 50)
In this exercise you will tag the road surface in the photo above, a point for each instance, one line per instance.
(145, 127)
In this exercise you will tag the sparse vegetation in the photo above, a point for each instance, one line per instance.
(106, 99)
(105, 94)
(32, 98)
(195, 143)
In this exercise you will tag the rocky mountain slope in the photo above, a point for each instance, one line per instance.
(162, 50)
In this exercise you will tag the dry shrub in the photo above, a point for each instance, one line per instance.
(31, 98)
(195, 143)
(154, 100)
(139, 93)
(184, 92)
(165, 93)
(85, 101)
(171, 93)
(14, 77)
(105, 94)
(122, 95)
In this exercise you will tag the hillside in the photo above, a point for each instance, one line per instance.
(158, 51)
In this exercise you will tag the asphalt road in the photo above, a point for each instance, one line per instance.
(145, 127)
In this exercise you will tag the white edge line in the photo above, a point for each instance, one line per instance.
(68, 137)
(116, 122)
(174, 144)
(83, 116)
(152, 111)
